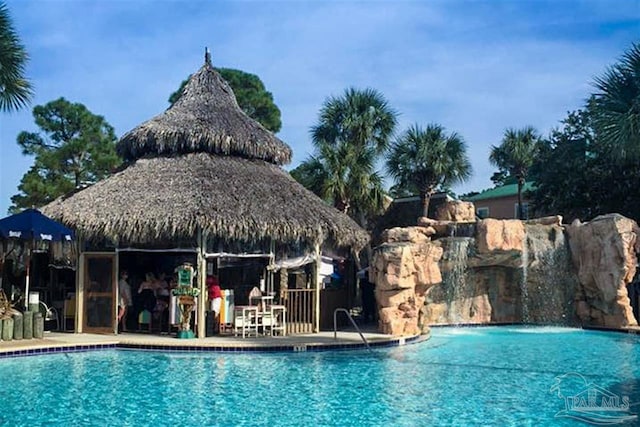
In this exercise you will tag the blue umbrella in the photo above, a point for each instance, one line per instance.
(31, 225)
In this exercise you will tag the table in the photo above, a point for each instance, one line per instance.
(245, 320)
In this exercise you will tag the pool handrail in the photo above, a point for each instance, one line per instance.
(335, 326)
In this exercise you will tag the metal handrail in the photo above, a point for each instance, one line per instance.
(335, 326)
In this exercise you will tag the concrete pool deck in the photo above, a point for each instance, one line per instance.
(55, 342)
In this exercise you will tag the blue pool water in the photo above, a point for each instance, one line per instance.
(462, 376)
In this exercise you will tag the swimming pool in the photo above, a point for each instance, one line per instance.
(461, 376)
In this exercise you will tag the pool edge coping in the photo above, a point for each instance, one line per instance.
(186, 348)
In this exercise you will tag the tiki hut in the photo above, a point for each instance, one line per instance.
(204, 173)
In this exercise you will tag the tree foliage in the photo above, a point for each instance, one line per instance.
(515, 155)
(353, 130)
(577, 177)
(426, 160)
(591, 165)
(251, 94)
(15, 89)
(73, 148)
(615, 107)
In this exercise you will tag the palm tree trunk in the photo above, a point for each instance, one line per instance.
(367, 249)
(520, 211)
(425, 197)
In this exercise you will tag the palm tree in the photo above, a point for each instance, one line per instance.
(425, 160)
(345, 179)
(515, 155)
(15, 90)
(616, 107)
(361, 118)
(352, 131)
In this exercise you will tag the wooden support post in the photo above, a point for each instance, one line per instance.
(270, 279)
(316, 285)
(116, 289)
(80, 276)
(201, 278)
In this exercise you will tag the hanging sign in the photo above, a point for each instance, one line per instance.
(185, 275)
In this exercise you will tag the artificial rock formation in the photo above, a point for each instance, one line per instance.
(403, 270)
(509, 271)
(456, 210)
(604, 253)
(500, 235)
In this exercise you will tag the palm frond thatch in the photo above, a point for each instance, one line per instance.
(230, 197)
(206, 118)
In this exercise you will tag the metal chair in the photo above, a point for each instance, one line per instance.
(50, 314)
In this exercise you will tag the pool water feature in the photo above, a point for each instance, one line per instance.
(458, 290)
(461, 376)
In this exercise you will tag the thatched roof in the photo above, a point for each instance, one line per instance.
(206, 118)
(231, 197)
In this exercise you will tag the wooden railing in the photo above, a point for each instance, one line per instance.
(301, 311)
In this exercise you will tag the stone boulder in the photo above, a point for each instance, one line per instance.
(408, 234)
(546, 220)
(402, 273)
(604, 254)
(440, 227)
(448, 228)
(500, 235)
(456, 210)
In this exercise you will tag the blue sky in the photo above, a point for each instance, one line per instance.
(476, 67)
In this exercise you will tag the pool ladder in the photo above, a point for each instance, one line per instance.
(335, 326)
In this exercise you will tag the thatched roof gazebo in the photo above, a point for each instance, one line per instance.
(202, 170)
(204, 164)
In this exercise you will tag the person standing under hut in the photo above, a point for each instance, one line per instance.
(215, 296)
(125, 302)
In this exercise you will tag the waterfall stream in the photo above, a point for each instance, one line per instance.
(524, 287)
(547, 283)
(458, 293)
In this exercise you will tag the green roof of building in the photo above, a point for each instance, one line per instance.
(502, 191)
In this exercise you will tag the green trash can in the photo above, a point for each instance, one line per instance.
(28, 325)
(18, 326)
(7, 329)
(38, 325)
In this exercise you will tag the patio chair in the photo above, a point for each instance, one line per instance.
(49, 314)
(267, 321)
(279, 320)
(245, 321)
